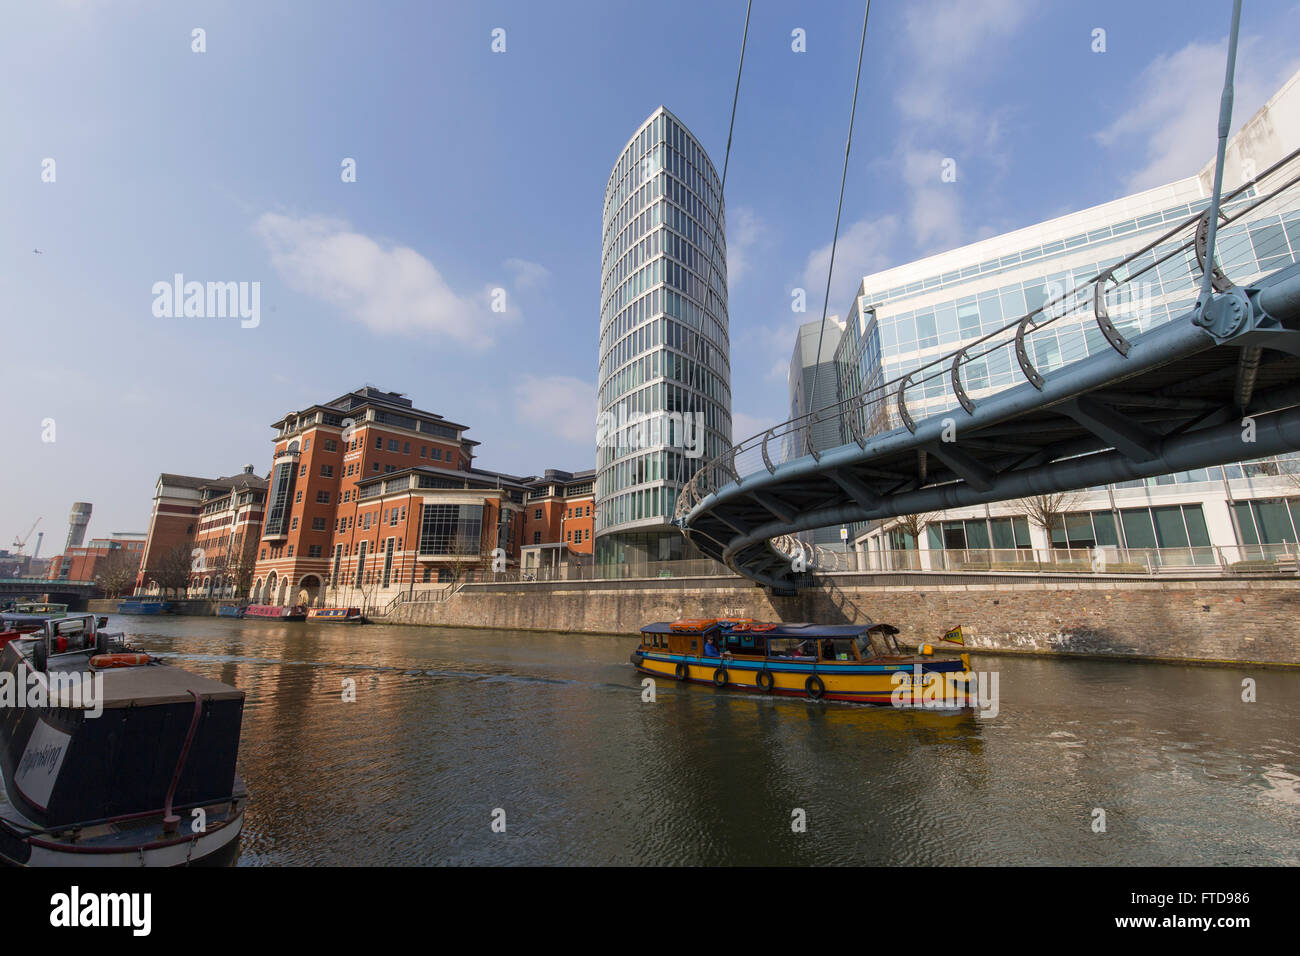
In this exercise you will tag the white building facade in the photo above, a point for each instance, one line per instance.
(907, 316)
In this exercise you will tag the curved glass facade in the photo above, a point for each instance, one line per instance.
(665, 369)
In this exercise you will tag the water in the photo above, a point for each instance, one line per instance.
(449, 725)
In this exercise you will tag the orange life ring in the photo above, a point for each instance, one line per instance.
(119, 660)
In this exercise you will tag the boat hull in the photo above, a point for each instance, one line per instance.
(861, 683)
(144, 607)
(275, 612)
(139, 843)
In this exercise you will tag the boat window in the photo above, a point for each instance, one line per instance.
(791, 647)
(836, 650)
(864, 647)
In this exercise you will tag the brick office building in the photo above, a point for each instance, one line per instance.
(226, 535)
(181, 510)
(369, 495)
(84, 562)
(558, 523)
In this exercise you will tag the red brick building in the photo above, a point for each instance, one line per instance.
(558, 524)
(227, 534)
(370, 496)
(85, 562)
(189, 511)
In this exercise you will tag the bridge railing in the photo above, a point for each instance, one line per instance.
(1106, 310)
(1104, 560)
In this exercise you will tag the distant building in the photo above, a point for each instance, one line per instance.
(78, 519)
(558, 520)
(814, 377)
(85, 562)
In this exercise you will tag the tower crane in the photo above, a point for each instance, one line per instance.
(21, 543)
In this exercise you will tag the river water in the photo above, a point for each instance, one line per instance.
(452, 730)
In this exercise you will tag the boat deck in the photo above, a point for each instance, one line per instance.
(147, 684)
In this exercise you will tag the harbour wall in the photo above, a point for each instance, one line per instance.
(1205, 621)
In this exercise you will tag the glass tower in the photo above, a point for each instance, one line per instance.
(665, 370)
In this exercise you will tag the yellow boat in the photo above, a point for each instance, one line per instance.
(847, 662)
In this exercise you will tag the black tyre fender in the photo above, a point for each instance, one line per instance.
(765, 681)
(683, 671)
(40, 655)
(720, 677)
(815, 688)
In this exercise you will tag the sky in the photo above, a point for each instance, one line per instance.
(462, 266)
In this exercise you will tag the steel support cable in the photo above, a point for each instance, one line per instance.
(839, 208)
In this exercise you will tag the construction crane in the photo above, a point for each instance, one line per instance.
(21, 543)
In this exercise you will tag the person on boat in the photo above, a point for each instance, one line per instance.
(710, 648)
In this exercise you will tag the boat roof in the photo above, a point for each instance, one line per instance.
(147, 685)
(802, 630)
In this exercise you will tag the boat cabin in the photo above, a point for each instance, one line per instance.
(778, 642)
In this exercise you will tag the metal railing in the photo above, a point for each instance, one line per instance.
(958, 381)
(1101, 560)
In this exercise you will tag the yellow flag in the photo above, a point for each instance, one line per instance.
(955, 636)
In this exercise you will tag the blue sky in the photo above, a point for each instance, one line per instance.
(479, 170)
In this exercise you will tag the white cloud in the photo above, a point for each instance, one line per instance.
(866, 246)
(559, 405)
(528, 275)
(1173, 119)
(391, 289)
(746, 426)
(744, 230)
(945, 44)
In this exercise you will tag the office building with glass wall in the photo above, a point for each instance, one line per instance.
(664, 376)
(905, 317)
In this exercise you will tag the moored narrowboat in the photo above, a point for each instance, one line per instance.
(114, 758)
(144, 607)
(277, 612)
(42, 609)
(230, 610)
(337, 615)
(857, 663)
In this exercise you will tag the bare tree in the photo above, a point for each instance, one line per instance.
(116, 573)
(913, 525)
(1048, 511)
(172, 572)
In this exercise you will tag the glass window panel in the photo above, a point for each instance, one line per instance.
(1246, 532)
(977, 534)
(1013, 304)
(1021, 525)
(1138, 532)
(1103, 523)
(1003, 534)
(1079, 530)
(1274, 520)
(946, 317)
(1198, 535)
(1170, 531)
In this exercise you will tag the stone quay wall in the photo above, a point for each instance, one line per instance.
(1206, 621)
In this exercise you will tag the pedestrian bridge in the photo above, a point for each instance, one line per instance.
(1210, 385)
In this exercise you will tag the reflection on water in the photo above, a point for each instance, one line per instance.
(450, 724)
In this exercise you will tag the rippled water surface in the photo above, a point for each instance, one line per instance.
(449, 725)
